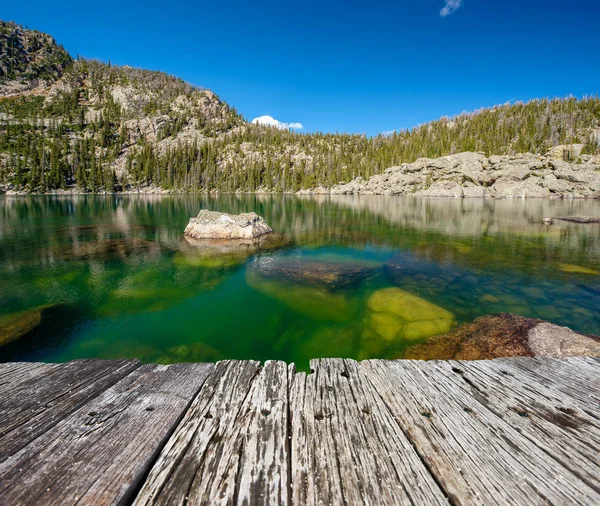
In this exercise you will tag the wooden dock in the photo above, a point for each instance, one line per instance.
(507, 431)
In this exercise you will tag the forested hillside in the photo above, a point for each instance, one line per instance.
(90, 126)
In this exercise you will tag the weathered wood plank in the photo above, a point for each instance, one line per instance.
(476, 456)
(506, 431)
(347, 447)
(541, 414)
(577, 377)
(231, 447)
(552, 381)
(39, 402)
(100, 453)
(13, 374)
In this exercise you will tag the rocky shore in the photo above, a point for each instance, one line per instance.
(475, 175)
(463, 175)
(506, 335)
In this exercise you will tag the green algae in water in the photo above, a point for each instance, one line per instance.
(350, 277)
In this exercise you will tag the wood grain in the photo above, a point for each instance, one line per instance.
(101, 452)
(505, 431)
(13, 374)
(50, 393)
(231, 447)
(477, 456)
(346, 446)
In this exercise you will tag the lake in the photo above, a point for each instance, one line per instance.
(360, 277)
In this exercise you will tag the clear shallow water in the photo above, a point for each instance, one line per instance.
(360, 277)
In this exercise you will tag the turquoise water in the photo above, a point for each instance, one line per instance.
(361, 277)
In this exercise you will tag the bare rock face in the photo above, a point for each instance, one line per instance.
(31, 60)
(563, 152)
(473, 175)
(215, 225)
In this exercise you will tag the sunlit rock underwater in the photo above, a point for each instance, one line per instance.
(395, 315)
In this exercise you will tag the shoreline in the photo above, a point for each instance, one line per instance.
(300, 193)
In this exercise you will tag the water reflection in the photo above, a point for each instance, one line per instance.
(129, 285)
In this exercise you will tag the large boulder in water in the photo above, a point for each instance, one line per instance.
(215, 225)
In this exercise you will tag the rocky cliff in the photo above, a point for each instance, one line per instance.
(476, 175)
(29, 59)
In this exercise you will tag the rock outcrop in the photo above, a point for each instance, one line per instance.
(566, 151)
(30, 59)
(549, 340)
(215, 225)
(505, 335)
(475, 175)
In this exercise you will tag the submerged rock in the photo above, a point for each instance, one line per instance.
(577, 269)
(406, 267)
(328, 342)
(17, 325)
(316, 303)
(332, 273)
(194, 352)
(215, 225)
(396, 315)
(128, 349)
(155, 288)
(222, 253)
(505, 335)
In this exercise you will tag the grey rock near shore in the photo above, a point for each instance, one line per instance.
(215, 225)
(475, 175)
(549, 340)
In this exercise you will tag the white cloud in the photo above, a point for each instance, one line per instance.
(450, 7)
(270, 121)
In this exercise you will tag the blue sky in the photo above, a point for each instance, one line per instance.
(346, 66)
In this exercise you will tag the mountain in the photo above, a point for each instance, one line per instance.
(84, 125)
(29, 59)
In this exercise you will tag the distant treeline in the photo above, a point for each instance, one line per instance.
(174, 135)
